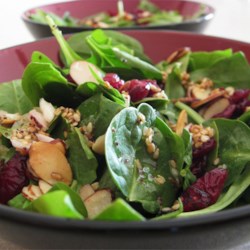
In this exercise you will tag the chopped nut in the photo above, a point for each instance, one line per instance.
(159, 179)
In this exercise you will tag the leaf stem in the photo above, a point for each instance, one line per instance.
(193, 114)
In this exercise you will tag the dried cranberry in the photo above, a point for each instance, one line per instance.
(205, 148)
(239, 95)
(205, 191)
(199, 164)
(12, 177)
(114, 80)
(137, 89)
(198, 167)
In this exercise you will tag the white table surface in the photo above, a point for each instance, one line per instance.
(232, 20)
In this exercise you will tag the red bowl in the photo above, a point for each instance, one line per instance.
(227, 229)
(80, 9)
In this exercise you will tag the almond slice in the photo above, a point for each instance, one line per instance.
(181, 122)
(97, 202)
(200, 93)
(81, 73)
(214, 95)
(98, 145)
(31, 192)
(44, 186)
(216, 108)
(49, 163)
(86, 191)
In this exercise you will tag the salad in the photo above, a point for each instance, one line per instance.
(113, 136)
(145, 14)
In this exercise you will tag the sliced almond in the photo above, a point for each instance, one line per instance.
(216, 108)
(38, 118)
(47, 109)
(44, 186)
(97, 202)
(31, 192)
(49, 163)
(181, 122)
(214, 95)
(86, 191)
(95, 185)
(80, 71)
(98, 145)
(200, 93)
(44, 138)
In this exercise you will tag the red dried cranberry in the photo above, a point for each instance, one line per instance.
(204, 149)
(138, 89)
(12, 177)
(198, 167)
(205, 191)
(114, 80)
(239, 95)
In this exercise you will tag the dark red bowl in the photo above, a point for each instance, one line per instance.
(227, 229)
(80, 9)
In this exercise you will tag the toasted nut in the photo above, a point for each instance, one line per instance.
(216, 108)
(181, 122)
(214, 95)
(86, 191)
(31, 192)
(95, 185)
(200, 93)
(47, 109)
(48, 163)
(178, 54)
(97, 202)
(99, 145)
(44, 186)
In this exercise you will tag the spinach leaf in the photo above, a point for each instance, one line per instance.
(119, 210)
(75, 198)
(79, 44)
(70, 55)
(232, 71)
(201, 60)
(245, 117)
(234, 146)
(13, 98)
(137, 174)
(57, 203)
(148, 70)
(36, 76)
(173, 87)
(59, 128)
(98, 110)
(81, 158)
(19, 201)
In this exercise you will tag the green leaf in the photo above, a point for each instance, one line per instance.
(70, 55)
(173, 87)
(6, 153)
(35, 78)
(133, 169)
(201, 60)
(232, 71)
(119, 210)
(75, 198)
(234, 146)
(81, 158)
(19, 201)
(57, 203)
(13, 98)
(99, 111)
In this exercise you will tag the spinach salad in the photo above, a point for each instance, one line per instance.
(146, 13)
(113, 136)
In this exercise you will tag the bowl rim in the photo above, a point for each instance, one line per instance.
(203, 18)
(35, 219)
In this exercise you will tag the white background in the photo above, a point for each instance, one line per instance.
(232, 20)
